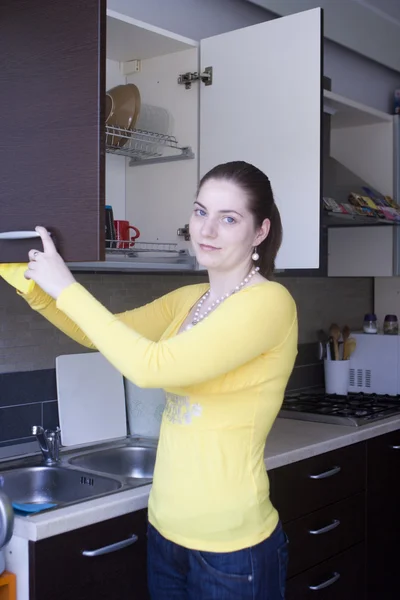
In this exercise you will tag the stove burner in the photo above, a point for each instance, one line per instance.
(354, 410)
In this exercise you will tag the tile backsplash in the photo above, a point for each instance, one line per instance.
(29, 344)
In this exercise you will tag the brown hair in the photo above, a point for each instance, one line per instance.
(257, 187)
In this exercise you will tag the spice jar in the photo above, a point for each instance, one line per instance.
(391, 325)
(370, 324)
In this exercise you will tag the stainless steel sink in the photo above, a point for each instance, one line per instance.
(123, 461)
(38, 484)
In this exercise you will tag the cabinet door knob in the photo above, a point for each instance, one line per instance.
(18, 235)
(335, 523)
(112, 547)
(326, 474)
(325, 584)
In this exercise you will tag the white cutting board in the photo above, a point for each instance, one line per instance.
(91, 399)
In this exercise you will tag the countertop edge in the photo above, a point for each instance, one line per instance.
(86, 513)
(289, 441)
(321, 438)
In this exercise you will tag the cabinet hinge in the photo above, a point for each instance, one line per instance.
(187, 79)
(184, 231)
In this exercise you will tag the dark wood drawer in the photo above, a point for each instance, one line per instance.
(325, 532)
(339, 578)
(383, 517)
(383, 460)
(300, 488)
(382, 536)
(59, 569)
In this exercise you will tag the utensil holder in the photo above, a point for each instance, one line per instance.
(337, 377)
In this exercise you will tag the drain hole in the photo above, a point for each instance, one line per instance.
(87, 480)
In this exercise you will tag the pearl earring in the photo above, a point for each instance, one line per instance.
(255, 256)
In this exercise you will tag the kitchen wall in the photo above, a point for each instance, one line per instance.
(29, 344)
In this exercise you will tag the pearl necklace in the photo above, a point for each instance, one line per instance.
(197, 317)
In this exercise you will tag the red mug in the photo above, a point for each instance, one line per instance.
(122, 233)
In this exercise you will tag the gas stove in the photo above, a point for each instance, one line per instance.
(352, 410)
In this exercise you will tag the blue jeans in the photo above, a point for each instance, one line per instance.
(256, 573)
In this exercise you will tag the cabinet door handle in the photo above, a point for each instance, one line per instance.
(326, 473)
(112, 547)
(325, 584)
(395, 447)
(335, 523)
(18, 235)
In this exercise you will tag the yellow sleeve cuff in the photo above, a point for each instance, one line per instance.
(13, 273)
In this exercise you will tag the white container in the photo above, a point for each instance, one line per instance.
(375, 364)
(144, 407)
(337, 377)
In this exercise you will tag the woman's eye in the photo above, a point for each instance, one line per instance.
(229, 220)
(200, 212)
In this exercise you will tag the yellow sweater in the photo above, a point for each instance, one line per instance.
(224, 380)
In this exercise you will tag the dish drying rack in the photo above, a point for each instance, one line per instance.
(145, 147)
(132, 249)
(154, 255)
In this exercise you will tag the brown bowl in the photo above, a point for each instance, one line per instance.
(122, 110)
(109, 107)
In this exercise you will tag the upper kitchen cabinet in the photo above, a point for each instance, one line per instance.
(253, 94)
(242, 88)
(51, 148)
(361, 153)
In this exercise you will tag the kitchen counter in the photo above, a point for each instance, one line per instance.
(289, 441)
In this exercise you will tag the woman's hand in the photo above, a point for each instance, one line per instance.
(47, 268)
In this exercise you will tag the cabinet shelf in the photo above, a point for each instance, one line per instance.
(145, 147)
(151, 256)
(341, 220)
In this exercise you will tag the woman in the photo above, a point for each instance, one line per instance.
(223, 352)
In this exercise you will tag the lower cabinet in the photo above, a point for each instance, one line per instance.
(321, 502)
(383, 517)
(340, 511)
(339, 578)
(92, 563)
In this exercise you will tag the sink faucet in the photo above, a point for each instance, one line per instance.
(49, 442)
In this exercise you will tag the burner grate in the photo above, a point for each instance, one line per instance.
(355, 409)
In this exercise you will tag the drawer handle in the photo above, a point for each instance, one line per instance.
(326, 474)
(18, 235)
(335, 523)
(325, 584)
(395, 447)
(111, 547)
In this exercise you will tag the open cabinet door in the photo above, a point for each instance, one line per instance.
(52, 135)
(264, 107)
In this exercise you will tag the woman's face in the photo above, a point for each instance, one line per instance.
(222, 228)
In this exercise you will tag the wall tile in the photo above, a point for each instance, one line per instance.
(28, 342)
(16, 422)
(50, 415)
(306, 377)
(27, 387)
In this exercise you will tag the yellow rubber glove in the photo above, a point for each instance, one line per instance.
(13, 273)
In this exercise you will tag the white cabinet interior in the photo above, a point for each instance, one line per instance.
(250, 112)
(362, 140)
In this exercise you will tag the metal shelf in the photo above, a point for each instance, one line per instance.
(145, 147)
(142, 257)
(129, 248)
